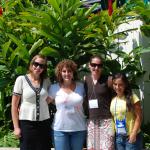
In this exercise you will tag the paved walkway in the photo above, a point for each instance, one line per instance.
(8, 148)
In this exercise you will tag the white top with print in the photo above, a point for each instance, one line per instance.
(69, 115)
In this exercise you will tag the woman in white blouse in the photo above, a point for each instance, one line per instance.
(69, 123)
(30, 112)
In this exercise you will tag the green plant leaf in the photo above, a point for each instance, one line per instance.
(49, 51)
(3, 68)
(3, 82)
(145, 50)
(5, 48)
(35, 46)
(146, 30)
(88, 12)
(55, 4)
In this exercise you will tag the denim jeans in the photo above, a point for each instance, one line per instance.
(122, 143)
(69, 140)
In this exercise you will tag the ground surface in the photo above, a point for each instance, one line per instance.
(8, 148)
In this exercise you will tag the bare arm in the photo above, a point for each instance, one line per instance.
(110, 82)
(138, 121)
(15, 115)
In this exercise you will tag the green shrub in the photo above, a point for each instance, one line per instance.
(146, 134)
(8, 139)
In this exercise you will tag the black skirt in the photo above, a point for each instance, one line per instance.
(35, 135)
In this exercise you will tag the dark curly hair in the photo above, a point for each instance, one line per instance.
(69, 64)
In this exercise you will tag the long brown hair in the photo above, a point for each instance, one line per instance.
(127, 91)
(43, 75)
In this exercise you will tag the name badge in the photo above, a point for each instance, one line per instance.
(93, 103)
(121, 126)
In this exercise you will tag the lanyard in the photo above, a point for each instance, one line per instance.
(120, 123)
(116, 109)
(93, 91)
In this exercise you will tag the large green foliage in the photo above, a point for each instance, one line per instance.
(62, 29)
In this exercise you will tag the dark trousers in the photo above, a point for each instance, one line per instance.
(35, 135)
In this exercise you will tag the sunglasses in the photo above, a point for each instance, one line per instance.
(36, 64)
(96, 65)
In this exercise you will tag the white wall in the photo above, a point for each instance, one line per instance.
(136, 38)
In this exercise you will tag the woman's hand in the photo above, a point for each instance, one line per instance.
(15, 115)
(49, 100)
(17, 132)
(132, 137)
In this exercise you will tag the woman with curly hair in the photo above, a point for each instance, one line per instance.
(127, 113)
(69, 123)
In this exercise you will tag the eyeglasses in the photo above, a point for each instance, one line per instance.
(36, 64)
(96, 65)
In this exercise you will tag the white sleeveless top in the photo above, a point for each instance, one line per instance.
(69, 115)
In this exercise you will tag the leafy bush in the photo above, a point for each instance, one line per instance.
(59, 29)
(146, 134)
(7, 139)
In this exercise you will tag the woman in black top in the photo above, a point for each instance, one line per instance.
(100, 130)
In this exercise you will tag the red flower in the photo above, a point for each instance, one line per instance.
(110, 7)
(1, 11)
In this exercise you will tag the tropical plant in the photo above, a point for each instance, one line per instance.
(7, 139)
(60, 29)
(146, 135)
(142, 12)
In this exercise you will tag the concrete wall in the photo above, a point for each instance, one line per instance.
(146, 86)
(136, 38)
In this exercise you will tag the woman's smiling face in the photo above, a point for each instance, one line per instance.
(95, 66)
(119, 86)
(38, 66)
(67, 74)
